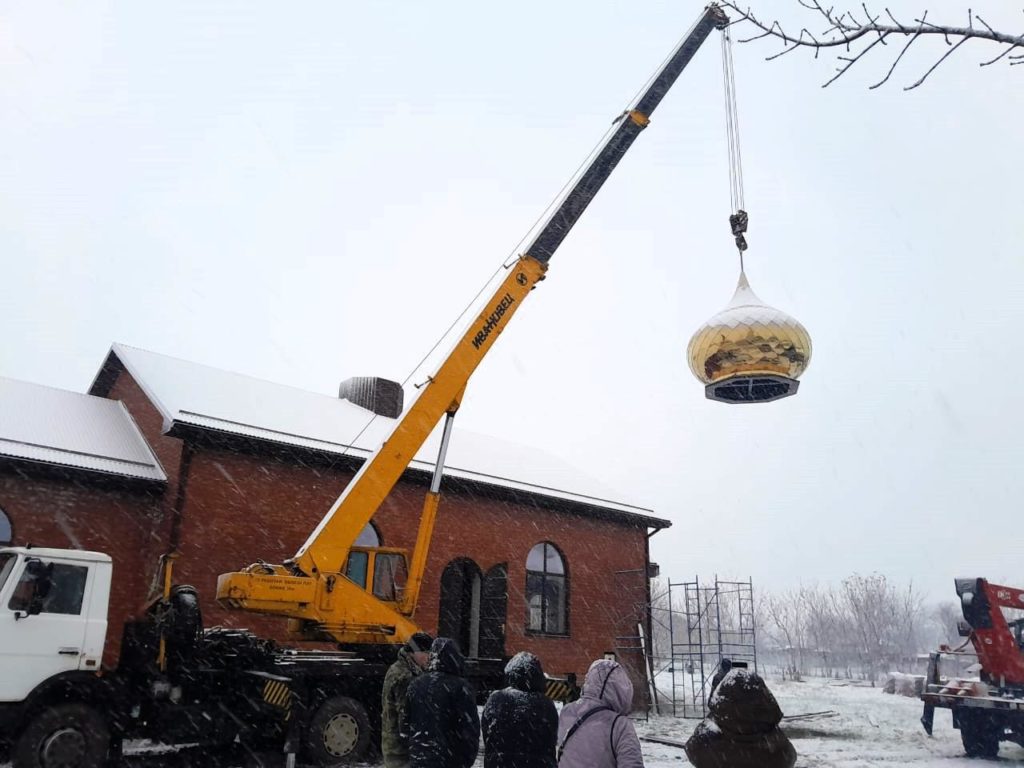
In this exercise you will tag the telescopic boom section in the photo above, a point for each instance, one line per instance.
(630, 124)
(305, 588)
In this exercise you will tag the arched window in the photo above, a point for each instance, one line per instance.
(547, 593)
(5, 528)
(368, 537)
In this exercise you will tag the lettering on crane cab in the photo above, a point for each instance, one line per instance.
(492, 320)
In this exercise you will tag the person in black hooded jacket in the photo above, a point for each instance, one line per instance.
(444, 729)
(520, 724)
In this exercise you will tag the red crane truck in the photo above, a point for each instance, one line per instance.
(990, 708)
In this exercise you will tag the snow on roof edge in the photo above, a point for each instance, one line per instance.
(58, 458)
(202, 421)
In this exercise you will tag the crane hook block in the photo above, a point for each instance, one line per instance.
(738, 221)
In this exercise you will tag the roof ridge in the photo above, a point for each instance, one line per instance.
(119, 345)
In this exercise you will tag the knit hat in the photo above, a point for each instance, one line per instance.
(419, 643)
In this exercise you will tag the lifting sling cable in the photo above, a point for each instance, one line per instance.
(541, 219)
(539, 227)
(738, 218)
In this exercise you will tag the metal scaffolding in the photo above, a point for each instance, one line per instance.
(705, 624)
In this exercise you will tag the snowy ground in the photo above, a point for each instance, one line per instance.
(872, 729)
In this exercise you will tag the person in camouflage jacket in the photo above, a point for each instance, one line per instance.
(394, 726)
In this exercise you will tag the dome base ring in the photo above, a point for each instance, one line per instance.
(751, 388)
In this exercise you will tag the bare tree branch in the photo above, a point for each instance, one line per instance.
(997, 58)
(905, 48)
(846, 30)
(944, 57)
(851, 61)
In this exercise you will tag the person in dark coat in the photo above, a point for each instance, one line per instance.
(413, 658)
(444, 728)
(520, 723)
(742, 727)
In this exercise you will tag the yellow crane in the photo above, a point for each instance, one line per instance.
(352, 595)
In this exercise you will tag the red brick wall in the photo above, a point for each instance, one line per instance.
(67, 512)
(240, 507)
(602, 605)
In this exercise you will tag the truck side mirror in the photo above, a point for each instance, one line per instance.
(41, 577)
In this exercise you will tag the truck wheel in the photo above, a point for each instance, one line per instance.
(339, 732)
(979, 732)
(65, 736)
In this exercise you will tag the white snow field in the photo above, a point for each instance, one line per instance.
(871, 729)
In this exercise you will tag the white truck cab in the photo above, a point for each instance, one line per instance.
(53, 615)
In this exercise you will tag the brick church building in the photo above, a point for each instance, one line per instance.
(166, 455)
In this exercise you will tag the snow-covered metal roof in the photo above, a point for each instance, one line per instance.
(54, 426)
(191, 394)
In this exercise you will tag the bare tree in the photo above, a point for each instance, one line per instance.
(867, 625)
(945, 618)
(886, 621)
(854, 35)
(785, 622)
(910, 625)
(661, 618)
(868, 602)
(824, 628)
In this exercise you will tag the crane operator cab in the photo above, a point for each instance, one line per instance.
(381, 571)
(1017, 627)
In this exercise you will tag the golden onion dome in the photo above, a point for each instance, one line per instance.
(749, 352)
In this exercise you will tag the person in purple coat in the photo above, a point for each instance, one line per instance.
(596, 732)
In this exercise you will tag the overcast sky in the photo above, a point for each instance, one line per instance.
(306, 192)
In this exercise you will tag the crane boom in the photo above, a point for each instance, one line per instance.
(311, 588)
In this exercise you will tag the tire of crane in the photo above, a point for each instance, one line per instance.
(339, 733)
(64, 736)
(979, 732)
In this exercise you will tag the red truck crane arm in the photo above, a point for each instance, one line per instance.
(995, 642)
